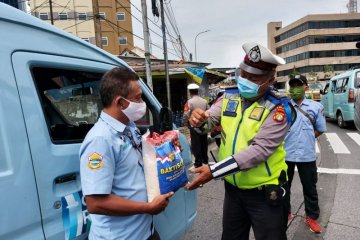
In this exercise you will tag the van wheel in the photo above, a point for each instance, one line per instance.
(340, 120)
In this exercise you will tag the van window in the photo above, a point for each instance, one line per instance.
(71, 102)
(338, 87)
(326, 89)
(357, 80)
(341, 85)
(344, 85)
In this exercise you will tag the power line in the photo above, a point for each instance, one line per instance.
(138, 36)
(89, 18)
(65, 6)
(39, 6)
(141, 21)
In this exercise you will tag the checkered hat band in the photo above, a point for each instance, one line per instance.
(260, 64)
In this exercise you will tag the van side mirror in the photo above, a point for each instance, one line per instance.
(321, 92)
(166, 120)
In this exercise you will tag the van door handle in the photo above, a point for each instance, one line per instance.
(65, 178)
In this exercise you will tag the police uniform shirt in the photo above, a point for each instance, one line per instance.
(110, 163)
(266, 141)
(300, 140)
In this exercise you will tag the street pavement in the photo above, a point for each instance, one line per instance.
(338, 188)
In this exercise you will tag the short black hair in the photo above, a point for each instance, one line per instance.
(194, 91)
(116, 82)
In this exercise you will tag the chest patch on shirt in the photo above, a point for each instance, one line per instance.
(231, 108)
(257, 113)
(95, 161)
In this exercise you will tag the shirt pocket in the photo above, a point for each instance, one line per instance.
(306, 124)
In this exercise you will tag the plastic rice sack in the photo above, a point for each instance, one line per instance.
(163, 165)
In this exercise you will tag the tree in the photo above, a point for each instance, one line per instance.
(328, 71)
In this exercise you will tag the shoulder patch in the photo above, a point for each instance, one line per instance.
(280, 109)
(95, 161)
(279, 116)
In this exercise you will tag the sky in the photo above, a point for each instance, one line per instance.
(231, 24)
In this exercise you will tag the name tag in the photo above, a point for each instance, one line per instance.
(231, 108)
(257, 113)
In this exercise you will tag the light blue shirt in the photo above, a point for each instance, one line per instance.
(300, 139)
(110, 163)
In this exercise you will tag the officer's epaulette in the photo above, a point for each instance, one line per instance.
(231, 92)
(277, 98)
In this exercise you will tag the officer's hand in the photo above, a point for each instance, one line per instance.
(159, 203)
(203, 177)
(198, 117)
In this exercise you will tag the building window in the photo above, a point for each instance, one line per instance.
(123, 40)
(44, 16)
(104, 41)
(63, 16)
(82, 16)
(102, 16)
(86, 39)
(120, 16)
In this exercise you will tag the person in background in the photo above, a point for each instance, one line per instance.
(300, 148)
(111, 164)
(198, 135)
(215, 131)
(254, 121)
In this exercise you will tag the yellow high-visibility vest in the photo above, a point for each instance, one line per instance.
(238, 131)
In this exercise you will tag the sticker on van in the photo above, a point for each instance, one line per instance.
(76, 218)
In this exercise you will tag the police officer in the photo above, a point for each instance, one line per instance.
(300, 148)
(199, 143)
(254, 120)
(111, 164)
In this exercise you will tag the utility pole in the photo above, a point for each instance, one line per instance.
(147, 44)
(51, 13)
(165, 53)
(181, 48)
(97, 23)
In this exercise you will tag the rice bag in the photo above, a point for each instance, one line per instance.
(163, 165)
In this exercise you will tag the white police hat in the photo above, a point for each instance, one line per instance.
(192, 86)
(259, 60)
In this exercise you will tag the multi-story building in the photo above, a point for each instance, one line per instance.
(19, 4)
(77, 18)
(116, 25)
(318, 46)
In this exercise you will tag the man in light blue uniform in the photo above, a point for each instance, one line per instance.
(111, 164)
(300, 148)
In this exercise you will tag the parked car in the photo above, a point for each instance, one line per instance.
(339, 96)
(313, 91)
(49, 87)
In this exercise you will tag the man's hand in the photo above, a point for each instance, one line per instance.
(159, 203)
(198, 117)
(203, 177)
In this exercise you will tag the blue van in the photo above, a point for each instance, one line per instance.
(339, 96)
(49, 100)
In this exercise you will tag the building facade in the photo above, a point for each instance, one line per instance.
(317, 46)
(19, 4)
(77, 18)
(116, 25)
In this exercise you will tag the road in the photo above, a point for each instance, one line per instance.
(338, 187)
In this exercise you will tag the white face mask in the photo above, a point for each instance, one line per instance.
(135, 110)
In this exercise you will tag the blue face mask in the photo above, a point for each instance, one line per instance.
(247, 88)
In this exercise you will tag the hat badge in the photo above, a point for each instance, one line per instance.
(254, 54)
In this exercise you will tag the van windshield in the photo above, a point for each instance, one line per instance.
(315, 86)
